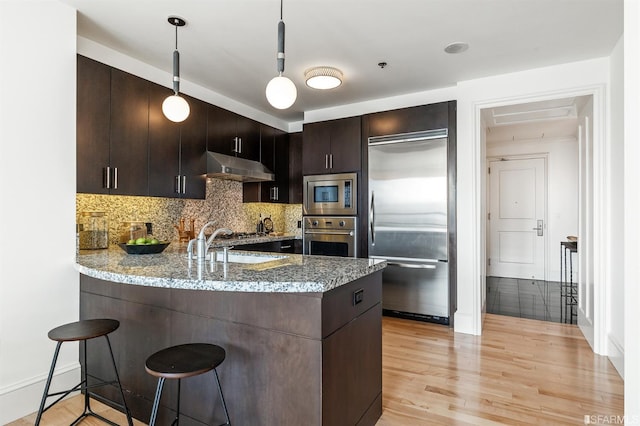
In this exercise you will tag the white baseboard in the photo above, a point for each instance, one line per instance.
(24, 399)
(615, 353)
(464, 323)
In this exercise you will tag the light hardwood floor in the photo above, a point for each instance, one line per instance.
(520, 371)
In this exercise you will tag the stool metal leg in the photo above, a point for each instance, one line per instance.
(115, 369)
(176, 421)
(46, 387)
(156, 402)
(226, 413)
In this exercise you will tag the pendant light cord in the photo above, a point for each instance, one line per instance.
(281, 10)
(176, 35)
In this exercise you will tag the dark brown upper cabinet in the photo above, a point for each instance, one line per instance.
(295, 168)
(232, 134)
(129, 134)
(92, 125)
(407, 120)
(112, 130)
(177, 162)
(331, 146)
(274, 153)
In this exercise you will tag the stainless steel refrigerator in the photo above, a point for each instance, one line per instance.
(408, 222)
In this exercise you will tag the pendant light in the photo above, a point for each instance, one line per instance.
(175, 107)
(281, 92)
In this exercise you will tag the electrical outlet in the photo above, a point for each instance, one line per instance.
(299, 224)
(358, 296)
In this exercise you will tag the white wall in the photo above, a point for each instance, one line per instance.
(562, 185)
(615, 294)
(39, 286)
(631, 209)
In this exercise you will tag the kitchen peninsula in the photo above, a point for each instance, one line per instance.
(302, 333)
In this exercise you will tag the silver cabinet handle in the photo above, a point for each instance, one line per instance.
(277, 193)
(115, 178)
(107, 177)
(285, 247)
(372, 217)
(540, 228)
(235, 145)
(240, 145)
(184, 184)
(177, 185)
(326, 161)
(331, 161)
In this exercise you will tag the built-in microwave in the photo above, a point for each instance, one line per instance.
(334, 194)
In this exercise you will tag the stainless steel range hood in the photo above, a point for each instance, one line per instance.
(234, 168)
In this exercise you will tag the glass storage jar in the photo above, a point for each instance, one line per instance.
(93, 231)
(132, 231)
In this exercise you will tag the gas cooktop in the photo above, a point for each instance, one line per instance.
(241, 235)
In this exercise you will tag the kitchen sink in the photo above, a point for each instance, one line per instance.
(249, 257)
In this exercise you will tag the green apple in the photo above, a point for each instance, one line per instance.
(131, 242)
(141, 241)
(154, 241)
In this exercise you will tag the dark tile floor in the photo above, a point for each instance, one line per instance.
(532, 299)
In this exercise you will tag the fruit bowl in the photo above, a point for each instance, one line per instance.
(144, 248)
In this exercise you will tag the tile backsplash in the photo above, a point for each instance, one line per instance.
(223, 203)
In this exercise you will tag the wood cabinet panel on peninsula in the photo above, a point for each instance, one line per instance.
(293, 358)
(331, 146)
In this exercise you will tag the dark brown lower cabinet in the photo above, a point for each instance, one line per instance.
(292, 358)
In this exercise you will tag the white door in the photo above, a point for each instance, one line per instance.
(516, 221)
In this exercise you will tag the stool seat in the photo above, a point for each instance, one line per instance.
(191, 359)
(83, 330)
(182, 361)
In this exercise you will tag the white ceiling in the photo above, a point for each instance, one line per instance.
(229, 46)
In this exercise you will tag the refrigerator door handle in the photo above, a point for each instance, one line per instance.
(412, 265)
(372, 217)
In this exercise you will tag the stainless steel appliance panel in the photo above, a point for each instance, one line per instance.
(408, 199)
(407, 226)
(334, 194)
(416, 287)
(330, 236)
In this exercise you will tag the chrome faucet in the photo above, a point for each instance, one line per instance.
(203, 244)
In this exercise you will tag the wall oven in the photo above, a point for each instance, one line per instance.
(330, 236)
(325, 195)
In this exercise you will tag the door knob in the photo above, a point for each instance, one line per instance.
(540, 228)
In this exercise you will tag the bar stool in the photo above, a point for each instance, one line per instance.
(179, 362)
(76, 331)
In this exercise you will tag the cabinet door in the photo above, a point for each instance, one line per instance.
(316, 146)
(281, 167)
(248, 132)
(92, 125)
(221, 130)
(193, 147)
(345, 145)
(295, 168)
(129, 132)
(407, 120)
(164, 146)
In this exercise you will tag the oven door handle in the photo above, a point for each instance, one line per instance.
(349, 233)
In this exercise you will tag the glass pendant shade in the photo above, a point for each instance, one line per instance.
(281, 92)
(176, 108)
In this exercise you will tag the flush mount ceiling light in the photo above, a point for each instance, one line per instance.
(175, 107)
(281, 92)
(457, 47)
(323, 78)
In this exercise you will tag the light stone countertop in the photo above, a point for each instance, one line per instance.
(286, 273)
